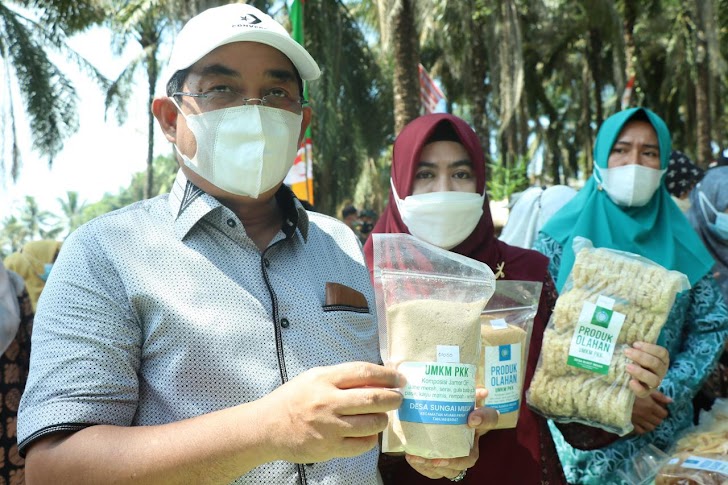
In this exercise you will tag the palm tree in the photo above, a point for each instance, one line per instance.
(145, 24)
(38, 224)
(72, 211)
(49, 98)
(351, 102)
(406, 53)
(12, 236)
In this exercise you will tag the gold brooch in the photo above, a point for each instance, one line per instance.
(499, 274)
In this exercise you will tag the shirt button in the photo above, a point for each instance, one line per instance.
(266, 263)
(231, 223)
(285, 323)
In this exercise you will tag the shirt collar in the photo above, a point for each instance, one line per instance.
(188, 204)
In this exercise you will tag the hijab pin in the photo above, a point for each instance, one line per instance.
(499, 270)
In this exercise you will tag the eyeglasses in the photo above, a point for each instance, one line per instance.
(220, 99)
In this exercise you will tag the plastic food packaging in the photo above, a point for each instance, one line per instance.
(611, 299)
(701, 454)
(505, 332)
(643, 467)
(428, 303)
(710, 436)
(691, 469)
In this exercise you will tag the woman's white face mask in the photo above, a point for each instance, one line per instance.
(629, 185)
(443, 219)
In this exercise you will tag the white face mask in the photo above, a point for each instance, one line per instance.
(629, 185)
(444, 219)
(245, 150)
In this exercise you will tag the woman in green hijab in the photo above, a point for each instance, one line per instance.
(625, 206)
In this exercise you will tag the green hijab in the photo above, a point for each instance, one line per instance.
(657, 230)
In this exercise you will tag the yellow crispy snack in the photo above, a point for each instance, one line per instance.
(641, 291)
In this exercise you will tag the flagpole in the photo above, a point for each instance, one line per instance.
(296, 15)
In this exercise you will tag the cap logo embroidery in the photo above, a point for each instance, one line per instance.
(250, 19)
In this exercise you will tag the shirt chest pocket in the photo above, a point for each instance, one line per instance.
(350, 333)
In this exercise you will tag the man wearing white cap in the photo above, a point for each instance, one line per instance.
(221, 333)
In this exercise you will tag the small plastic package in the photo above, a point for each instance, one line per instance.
(428, 304)
(644, 466)
(610, 300)
(701, 454)
(694, 469)
(505, 332)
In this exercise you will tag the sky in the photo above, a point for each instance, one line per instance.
(102, 156)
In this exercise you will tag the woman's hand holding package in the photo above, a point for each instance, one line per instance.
(650, 364)
(483, 419)
(648, 412)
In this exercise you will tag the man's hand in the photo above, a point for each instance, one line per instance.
(331, 412)
(648, 412)
(483, 419)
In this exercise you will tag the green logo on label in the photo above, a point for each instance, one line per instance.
(601, 317)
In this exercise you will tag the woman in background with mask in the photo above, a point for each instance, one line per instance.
(438, 196)
(682, 175)
(708, 215)
(626, 206)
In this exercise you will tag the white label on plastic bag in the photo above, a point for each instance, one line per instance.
(605, 302)
(698, 463)
(448, 353)
(437, 393)
(595, 336)
(502, 372)
(498, 324)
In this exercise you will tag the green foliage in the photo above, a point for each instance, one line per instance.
(71, 212)
(165, 170)
(503, 181)
(12, 236)
(352, 102)
(49, 98)
(373, 184)
(32, 222)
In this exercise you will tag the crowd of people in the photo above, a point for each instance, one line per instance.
(223, 333)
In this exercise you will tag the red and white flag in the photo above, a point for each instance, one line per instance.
(300, 176)
(430, 94)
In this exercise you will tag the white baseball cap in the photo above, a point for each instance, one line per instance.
(233, 23)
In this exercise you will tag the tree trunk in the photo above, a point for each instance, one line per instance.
(719, 134)
(552, 161)
(406, 59)
(593, 50)
(523, 128)
(152, 76)
(477, 91)
(588, 76)
(704, 152)
(510, 77)
(630, 18)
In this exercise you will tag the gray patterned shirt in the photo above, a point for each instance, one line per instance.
(166, 310)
